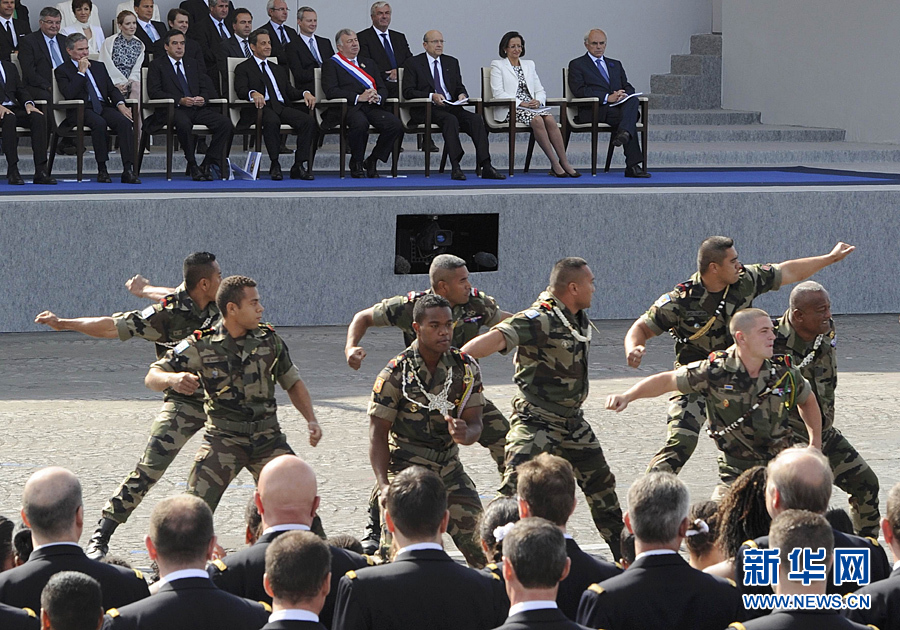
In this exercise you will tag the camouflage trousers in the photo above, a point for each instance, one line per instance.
(534, 430)
(493, 433)
(730, 468)
(686, 416)
(175, 424)
(851, 474)
(463, 501)
(223, 455)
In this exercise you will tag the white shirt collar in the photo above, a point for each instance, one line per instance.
(897, 565)
(278, 27)
(57, 544)
(538, 604)
(594, 59)
(418, 546)
(8, 20)
(431, 59)
(173, 61)
(217, 22)
(143, 24)
(286, 527)
(182, 574)
(294, 614)
(379, 31)
(654, 552)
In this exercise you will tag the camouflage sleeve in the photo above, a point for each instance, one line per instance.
(802, 388)
(149, 324)
(762, 278)
(523, 329)
(492, 311)
(693, 378)
(386, 395)
(182, 358)
(284, 370)
(477, 397)
(395, 311)
(663, 315)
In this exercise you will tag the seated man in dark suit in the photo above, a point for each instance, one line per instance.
(546, 489)
(81, 78)
(437, 76)
(594, 75)
(210, 31)
(199, 9)
(12, 29)
(71, 600)
(148, 31)
(235, 46)
(176, 77)
(660, 589)
(357, 79)
(17, 109)
(534, 565)
(287, 499)
(41, 52)
(180, 20)
(181, 541)
(308, 51)
(423, 587)
(387, 48)
(269, 87)
(280, 34)
(52, 508)
(298, 578)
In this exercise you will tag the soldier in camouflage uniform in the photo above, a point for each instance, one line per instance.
(426, 402)
(696, 313)
(749, 394)
(237, 364)
(472, 309)
(552, 339)
(806, 333)
(189, 307)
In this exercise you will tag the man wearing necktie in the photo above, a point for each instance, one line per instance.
(280, 34)
(268, 86)
(11, 29)
(388, 48)
(150, 32)
(594, 75)
(236, 45)
(81, 78)
(211, 32)
(308, 51)
(17, 109)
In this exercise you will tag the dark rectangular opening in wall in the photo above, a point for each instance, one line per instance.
(421, 237)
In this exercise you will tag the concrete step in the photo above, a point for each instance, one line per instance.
(696, 64)
(706, 44)
(743, 133)
(703, 117)
(709, 98)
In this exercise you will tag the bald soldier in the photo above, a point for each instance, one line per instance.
(806, 333)
(696, 313)
(749, 395)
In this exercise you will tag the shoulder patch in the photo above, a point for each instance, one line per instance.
(783, 359)
(619, 565)
(113, 612)
(138, 574)
(596, 588)
(351, 574)
(147, 312)
(732, 582)
(684, 287)
(750, 543)
(30, 612)
(737, 625)
(379, 383)
(369, 560)
(492, 566)
(664, 299)
(267, 607)
(221, 566)
(531, 313)
(495, 576)
(266, 327)
(412, 296)
(718, 354)
(182, 346)
(396, 360)
(477, 292)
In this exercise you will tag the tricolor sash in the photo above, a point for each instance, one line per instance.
(355, 71)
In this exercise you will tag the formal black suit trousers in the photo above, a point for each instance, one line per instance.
(300, 121)
(624, 117)
(388, 126)
(221, 127)
(38, 126)
(452, 119)
(119, 125)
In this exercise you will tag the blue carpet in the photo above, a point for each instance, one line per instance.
(330, 181)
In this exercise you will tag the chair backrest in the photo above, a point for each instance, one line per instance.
(487, 94)
(319, 93)
(14, 58)
(234, 112)
(59, 115)
(404, 111)
(145, 111)
(571, 111)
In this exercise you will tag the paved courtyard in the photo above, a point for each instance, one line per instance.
(77, 402)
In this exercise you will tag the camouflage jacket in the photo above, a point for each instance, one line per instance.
(821, 371)
(731, 393)
(687, 308)
(397, 398)
(165, 323)
(237, 375)
(551, 366)
(480, 310)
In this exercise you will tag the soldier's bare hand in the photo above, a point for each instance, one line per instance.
(48, 318)
(458, 428)
(136, 285)
(184, 382)
(315, 433)
(841, 251)
(218, 552)
(616, 402)
(635, 356)
(355, 357)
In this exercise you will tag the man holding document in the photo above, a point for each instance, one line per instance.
(437, 76)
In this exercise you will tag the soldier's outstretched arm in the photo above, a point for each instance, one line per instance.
(812, 418)
(182, 382)
(140, 287)
(504, 315)
(650, 387)
(379, 452)
(300, 398)
(362, 321)
(100, 327)
(485, 345)
(636, 342)
(802, 268)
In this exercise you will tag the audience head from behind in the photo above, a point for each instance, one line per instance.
(496, 521)
(800, 529)
(626, 546)
(52, 506)
(799, 478)
(181, 534)
(298, 572)
(658, 504)
(890, 524)
(287, 493)
(840, 520)
(253, 521)
(534, 560)
(416, 507)
(546, 489)
(701, 537)
(348, 542)
(71, 601)
(7, 552)
(742, 513)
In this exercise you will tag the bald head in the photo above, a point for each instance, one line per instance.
(743, 320)
(287, 492)
(806, 293)
(798, 479)
(51, 504)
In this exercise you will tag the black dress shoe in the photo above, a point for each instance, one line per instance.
(573, 174)
(371, 165)
(356, 170)
(489, 172)
(103, 177)
(555, 174)
(13, 178)
(622, 138)
(206, 172)
(298, 172)
(41, 178)
(420, 142)
(457, 174)
(196, 174)
(275, 172)
(128, 177)
(636, 171)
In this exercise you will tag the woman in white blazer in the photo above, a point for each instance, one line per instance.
(123, 56)
(82, 9)
(514, 77)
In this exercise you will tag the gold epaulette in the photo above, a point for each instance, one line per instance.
(751, 543)
(30, 612)
(138, 574)
(874, 541)
(113, 612)
(732, 582)
(266, 606)
(267, 326)
(351, 574)
(737, 625)
(369, 560)
(492, 566)
(221, 566)
(596, 588)
(619, 564)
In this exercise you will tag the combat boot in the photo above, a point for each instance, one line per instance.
(372, 539)
(615, 545)
(98, 545)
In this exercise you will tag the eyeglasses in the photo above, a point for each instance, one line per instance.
(435, 41)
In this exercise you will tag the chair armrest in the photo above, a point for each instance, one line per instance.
(332, 101)
(71, 102)
(643, 99)
(476, 99)
(495, 101)
(555, 101)
(218, 101)
(416, 101)
(132, 101)
(39, 102)
(159, 101)
(586, 99)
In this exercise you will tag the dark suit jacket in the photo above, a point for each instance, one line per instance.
(37, 66)
(198, 9)
(420, 589)
(337, 83)
(661, 591)
(248, 77)
(21, 587)
(189, 604)
(302, 63)
(231, 47)
(152, 48)
(207, 35)
(15, 87)
(75, 86)
(291, 624)
(803, 620)
(241, 573)
(161, 83)
(6, 45)
(585, 570)
(585, 80)
(18, 619)
(278, 49)
(371, 46)
(885, 611)
(418, 80)
(544, 619)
